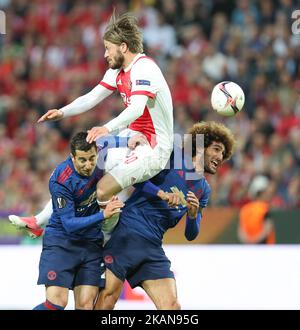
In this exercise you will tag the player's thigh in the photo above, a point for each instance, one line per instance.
(111, 293)
(162, 292)
(140, 165)
(57, 295)
(59, 260)
(114, 157)
(85, 296)
(107, 187)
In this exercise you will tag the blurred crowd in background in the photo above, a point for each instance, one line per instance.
(53, 52)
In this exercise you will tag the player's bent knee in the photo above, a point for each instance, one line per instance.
(57, 295)
(175, 305)
(110, 298)
(107, 300)
(102, 194)
(88, 304)
(110, 301)
(59, 300)
(172, 304)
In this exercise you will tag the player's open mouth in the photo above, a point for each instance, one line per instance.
(214, 164)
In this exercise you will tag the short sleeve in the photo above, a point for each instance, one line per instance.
(145, 78)
(109, 80)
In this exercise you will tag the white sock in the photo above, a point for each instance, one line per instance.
(108, 225)
(101, 204)
(43, 217)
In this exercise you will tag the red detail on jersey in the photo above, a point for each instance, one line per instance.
(65, 174)
(87, 186)
(144, 124)
(90, 183)
(51, 275)
(199, 193)
(131, 159)
(124, 86)
(151, 95)
(104, 84)
(180, 172)
(108, 259)
(79, 192)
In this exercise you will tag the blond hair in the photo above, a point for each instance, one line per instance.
(212, 131)
(124, 29)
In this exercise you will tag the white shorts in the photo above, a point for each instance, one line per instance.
(133, 166)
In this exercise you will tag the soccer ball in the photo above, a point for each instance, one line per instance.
(227, 98)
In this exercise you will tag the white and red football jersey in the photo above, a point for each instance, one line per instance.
(144, 77)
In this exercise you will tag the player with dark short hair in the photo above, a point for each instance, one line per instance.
(72, 245)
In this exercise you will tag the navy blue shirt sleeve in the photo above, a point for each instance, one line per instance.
(63, 205)
(206, 194)
(148, 187)
(192, 227)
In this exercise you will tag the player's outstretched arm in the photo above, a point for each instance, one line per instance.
(173, 199)
(51, 115)
(78, 106)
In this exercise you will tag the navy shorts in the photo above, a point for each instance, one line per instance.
(132, 257)
(68, 263)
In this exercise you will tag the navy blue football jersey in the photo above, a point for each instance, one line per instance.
(149, 216)
(74, 203)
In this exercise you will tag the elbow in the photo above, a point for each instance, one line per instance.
(191, 236)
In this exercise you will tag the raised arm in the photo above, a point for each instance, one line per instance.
(79, 105)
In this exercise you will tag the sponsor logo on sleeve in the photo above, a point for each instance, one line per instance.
(143, 82)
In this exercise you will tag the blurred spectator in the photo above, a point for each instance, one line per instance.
(255, 224)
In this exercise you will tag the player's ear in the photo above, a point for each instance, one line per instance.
(72, 157)
(124, 47)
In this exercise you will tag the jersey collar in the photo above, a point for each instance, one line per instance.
(133, 61)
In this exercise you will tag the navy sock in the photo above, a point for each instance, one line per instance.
(48, 306)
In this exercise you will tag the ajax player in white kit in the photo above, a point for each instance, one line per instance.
(149, 111)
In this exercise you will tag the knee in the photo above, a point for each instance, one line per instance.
(58, 299)
(110, 301)
(171, 304)
(101, 194)
(175, 305)
(87, 304)
(107, 300)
